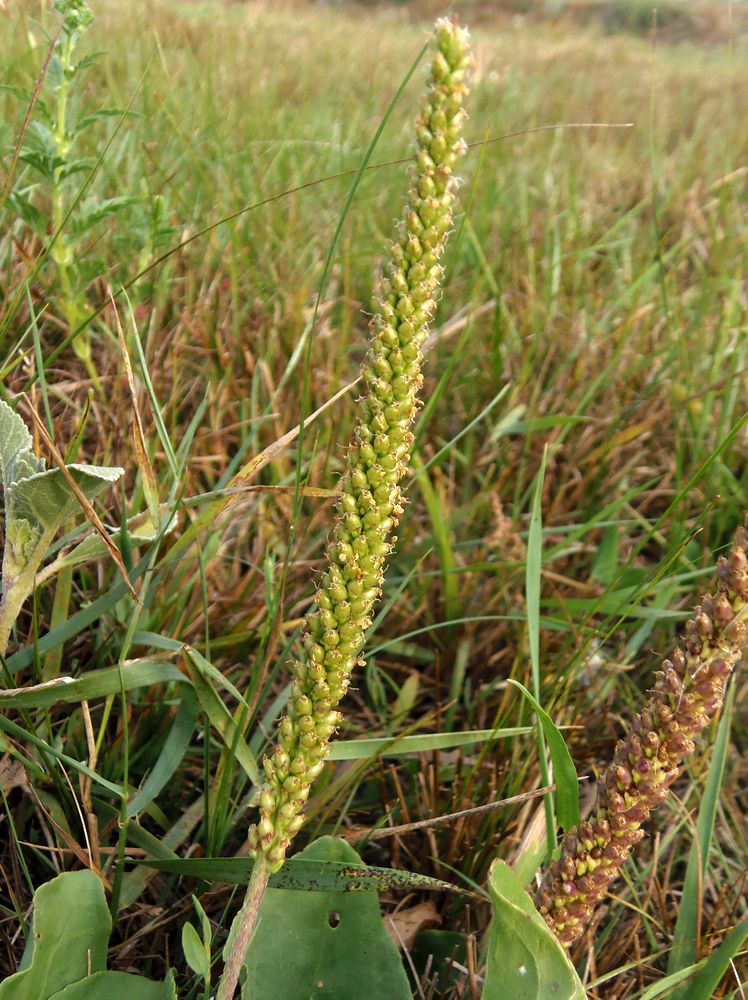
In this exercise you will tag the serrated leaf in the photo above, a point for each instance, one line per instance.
(72, 167)
(43, 138)
(89, 60)
(90, 215)
(524, 960)
(311, 945)
(20, 93)
(28, 212)
(44, 165)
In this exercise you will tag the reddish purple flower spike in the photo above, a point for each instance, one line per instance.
(688, 692)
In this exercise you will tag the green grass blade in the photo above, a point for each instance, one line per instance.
(21, 734)
(96, 684)
(532, 600)
(664, 986)
(707, 981)
(567, 782)
(683, 952)
(397, 746)
(172, 753)
(76, 623)
(220, 716)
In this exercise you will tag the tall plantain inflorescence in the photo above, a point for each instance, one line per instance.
(688, 692)
(370, 502)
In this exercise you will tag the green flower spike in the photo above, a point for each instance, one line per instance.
(689, 691)
(371, 501)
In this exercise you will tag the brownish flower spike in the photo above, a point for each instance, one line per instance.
(689, 691)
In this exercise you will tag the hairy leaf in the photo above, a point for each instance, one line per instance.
(37, 502)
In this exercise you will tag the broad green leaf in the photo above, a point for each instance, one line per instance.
(311, 945)
(303, 874)
(14, 440)
(524, 960)
(46, 499)
(564, 772)
(69, 945)
(71, 930)
(118, 986)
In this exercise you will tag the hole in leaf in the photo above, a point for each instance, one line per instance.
(333, 919)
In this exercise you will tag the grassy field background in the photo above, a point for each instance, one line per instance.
(595, 305)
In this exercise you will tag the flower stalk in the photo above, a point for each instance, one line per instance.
(688, 692)
(371, 501)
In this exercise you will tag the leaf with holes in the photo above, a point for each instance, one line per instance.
(311, 945)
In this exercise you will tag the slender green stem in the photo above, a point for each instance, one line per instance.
(245, 928)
